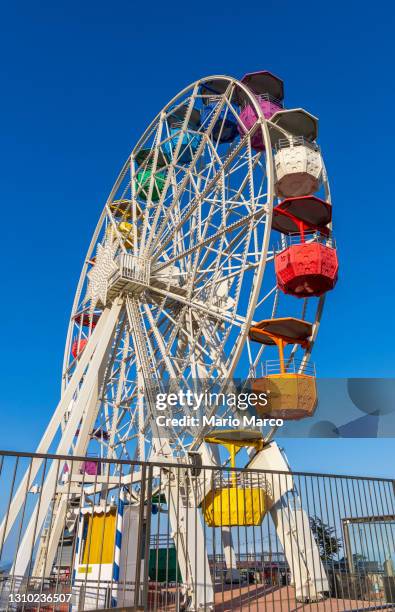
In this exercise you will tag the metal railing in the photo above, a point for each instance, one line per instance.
(268, 98)
(292, 366)
(310, 236)
(137, 534)
(134, 267)
(264, 97)
(131, 267)
(295, 141)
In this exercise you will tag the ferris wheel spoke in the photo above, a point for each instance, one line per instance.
(195, 233)
(233, 255)
(267, 296)
(209, 335)
(233, 272)
(172, 367)
(201, 322)
(190, 335)
(214, 312)
(155, 221)
(211, 184)
(225, 230)
(203, 359)
(210, 217)
(184, 332)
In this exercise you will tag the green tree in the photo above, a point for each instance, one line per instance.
(328, 544)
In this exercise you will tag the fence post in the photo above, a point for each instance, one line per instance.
(139, 556)
(147, 536)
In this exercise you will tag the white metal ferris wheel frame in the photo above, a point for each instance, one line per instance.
(262, 124)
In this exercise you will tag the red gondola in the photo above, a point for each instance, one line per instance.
(308, 266)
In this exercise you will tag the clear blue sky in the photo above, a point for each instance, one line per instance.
(80, 82)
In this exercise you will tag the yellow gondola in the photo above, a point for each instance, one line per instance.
(123, 208)
(240, 501)
(125, 229)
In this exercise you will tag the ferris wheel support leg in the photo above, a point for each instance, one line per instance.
(47, 547)
(83, 408)
(189, 540)
(54, 424)
(232, 573)
(292, 526)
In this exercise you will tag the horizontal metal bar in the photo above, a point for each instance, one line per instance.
(181, 466)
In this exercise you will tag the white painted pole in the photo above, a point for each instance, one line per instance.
(40, 511)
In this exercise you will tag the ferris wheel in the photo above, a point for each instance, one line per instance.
(185, 243)
(213, 247)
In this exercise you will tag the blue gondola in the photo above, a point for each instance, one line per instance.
(190, 139)
(225, 128)
(189, 144)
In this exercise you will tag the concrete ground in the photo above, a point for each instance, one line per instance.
(282, 599)
(261, 598)
(252, 597)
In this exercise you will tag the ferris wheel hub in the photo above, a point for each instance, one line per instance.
(132, 275)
